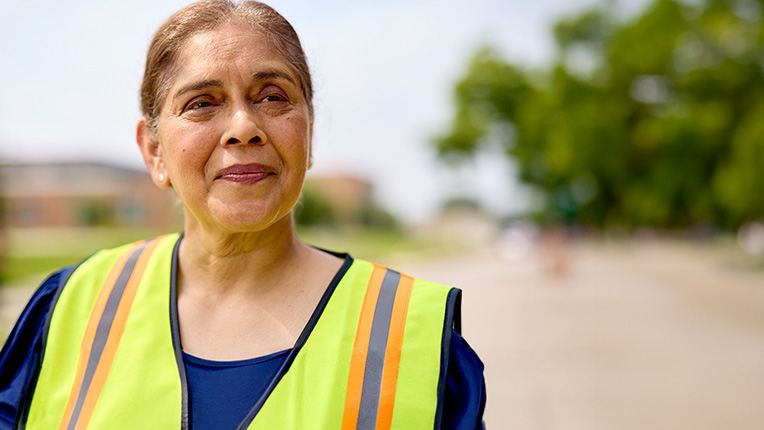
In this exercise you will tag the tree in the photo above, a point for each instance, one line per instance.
(314, 209)
(656, 120)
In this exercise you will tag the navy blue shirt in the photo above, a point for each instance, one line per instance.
(220, 393)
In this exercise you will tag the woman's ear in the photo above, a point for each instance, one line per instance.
(152, 154)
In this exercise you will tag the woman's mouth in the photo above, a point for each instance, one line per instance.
(245, 173)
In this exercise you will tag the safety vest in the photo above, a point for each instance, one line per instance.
(373, 356)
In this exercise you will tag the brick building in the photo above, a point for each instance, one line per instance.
(71, 194)
(349, 197)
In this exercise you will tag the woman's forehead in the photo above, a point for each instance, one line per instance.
(227, 44)
(237, 47)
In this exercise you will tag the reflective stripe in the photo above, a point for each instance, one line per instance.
(393, 353)
(360, 348)
(105, 327)
(371, 391)
(375, 357)
(90, 333)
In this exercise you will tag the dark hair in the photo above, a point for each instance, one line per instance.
(205, 16)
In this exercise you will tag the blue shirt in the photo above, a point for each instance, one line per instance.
(220, 393)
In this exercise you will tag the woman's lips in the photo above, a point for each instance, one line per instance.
(245, 173)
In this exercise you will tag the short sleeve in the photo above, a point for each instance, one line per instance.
(464, 400)
(20, 356)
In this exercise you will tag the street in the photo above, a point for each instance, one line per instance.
(644, 335)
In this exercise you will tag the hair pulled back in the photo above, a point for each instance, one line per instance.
(204, 16)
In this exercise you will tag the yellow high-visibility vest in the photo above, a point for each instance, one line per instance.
(373, 355)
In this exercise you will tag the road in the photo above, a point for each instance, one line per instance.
(640, 335)
(645, 335)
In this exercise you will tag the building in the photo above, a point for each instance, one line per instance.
(348, 201)
(73, 194)
(349, 197)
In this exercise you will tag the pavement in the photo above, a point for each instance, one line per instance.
(629, 335)
(642, 335)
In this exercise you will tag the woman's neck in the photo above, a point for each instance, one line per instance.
(226, 262)
(248, 294)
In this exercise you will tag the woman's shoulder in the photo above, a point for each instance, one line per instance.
(30, 323)
(368, 266)
(39, 303)
(464, 393)
(23, 347)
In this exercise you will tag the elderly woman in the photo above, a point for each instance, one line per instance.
(236, 323)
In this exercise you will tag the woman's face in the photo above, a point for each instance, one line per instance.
(234, 131)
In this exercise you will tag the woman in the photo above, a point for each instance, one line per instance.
(236, 323)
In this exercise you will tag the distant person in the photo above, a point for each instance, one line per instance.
(235, 323)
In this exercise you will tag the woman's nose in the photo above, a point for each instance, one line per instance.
(243, 127)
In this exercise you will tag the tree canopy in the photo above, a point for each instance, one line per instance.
(654, 120)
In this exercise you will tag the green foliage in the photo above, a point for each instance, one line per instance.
(374, 216)
(461, 203)
(314, 209)
(653, 121)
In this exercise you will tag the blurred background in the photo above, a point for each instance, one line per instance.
(588, 172)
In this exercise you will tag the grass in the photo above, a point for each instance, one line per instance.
(32, 254)
(18, 268)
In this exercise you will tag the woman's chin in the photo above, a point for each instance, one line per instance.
(234, 220)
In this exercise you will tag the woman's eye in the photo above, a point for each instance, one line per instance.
(200, 105)
(197, 104)
(273, 98)
(272, 95)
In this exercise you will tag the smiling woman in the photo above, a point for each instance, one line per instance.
(235, 323)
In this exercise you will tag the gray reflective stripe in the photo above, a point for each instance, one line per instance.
(375, 358)
(102, 334)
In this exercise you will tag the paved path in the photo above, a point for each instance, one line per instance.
(645, 336)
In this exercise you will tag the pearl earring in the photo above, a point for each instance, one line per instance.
(161, 177)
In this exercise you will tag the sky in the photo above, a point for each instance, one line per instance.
(383, 75)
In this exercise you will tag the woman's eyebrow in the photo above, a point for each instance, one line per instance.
(264, 75)
(196, 86)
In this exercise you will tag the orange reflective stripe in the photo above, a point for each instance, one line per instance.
(393, 353)
(90, 331)
(360, 349)
(373, 376)
(115, 335)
